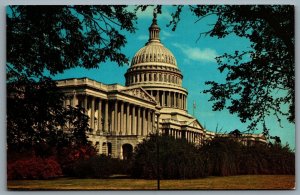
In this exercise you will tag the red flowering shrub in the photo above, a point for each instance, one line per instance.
(68, 156)
(33, 168)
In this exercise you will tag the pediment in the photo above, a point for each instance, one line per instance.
(195, 123)
(139, 93)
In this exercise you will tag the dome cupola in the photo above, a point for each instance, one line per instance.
(154, 68)
(154, 50)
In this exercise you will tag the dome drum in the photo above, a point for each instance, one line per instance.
(154, 68)
(157, 77)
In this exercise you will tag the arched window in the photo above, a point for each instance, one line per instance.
(127, 151)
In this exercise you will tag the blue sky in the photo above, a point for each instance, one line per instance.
(196, 61)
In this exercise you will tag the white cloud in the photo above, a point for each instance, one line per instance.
(143, 37)
(197, 54)
(165, 34)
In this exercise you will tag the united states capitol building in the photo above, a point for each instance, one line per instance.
(152, 100)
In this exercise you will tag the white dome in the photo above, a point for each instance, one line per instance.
(154, 52)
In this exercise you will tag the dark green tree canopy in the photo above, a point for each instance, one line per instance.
(56, 38)
(261, 81)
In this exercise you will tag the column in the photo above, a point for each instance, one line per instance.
(153, 121)
(92, 113)
(127, 119)
(116, 117)
(157, 124)
(74, 102)
(144, 126)
(139, 121)
(67, 101)
(163, 98)
(133, 124)
(100, 115)
(169, 99)
(157, 96)
(121, 128)
(174, 99)
(112, 118)
(106, 116)
(181, 101)
(85, 104)
(193, 137)
(177, 99)
(149, 121)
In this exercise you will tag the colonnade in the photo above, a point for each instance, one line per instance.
(115, 116)
(190, 136)
(169, 98)
(153, 76)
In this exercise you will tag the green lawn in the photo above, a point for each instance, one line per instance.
(232, 182)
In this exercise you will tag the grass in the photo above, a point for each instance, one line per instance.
(250, 182)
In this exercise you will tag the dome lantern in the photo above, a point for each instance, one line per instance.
(154, 29)
(154, 68)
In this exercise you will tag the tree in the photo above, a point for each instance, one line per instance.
(56, 38)
(35, 116)
(53, 39)
(261, 81)
(178, 159)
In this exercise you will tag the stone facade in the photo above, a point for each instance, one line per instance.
(152, 100)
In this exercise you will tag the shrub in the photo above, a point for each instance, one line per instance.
(227, 157)
(222, 156)
(34, 168)
(99, 166)
(178, 159)
(69, 155)
(218, 157)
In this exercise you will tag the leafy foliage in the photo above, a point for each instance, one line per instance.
(33, 167)
(100, 166)
(261, 81)
(218, 157)
(222, 155)
(56, 38)
(35, 116)
(69, 155)
(178, 159)
(53, 39)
